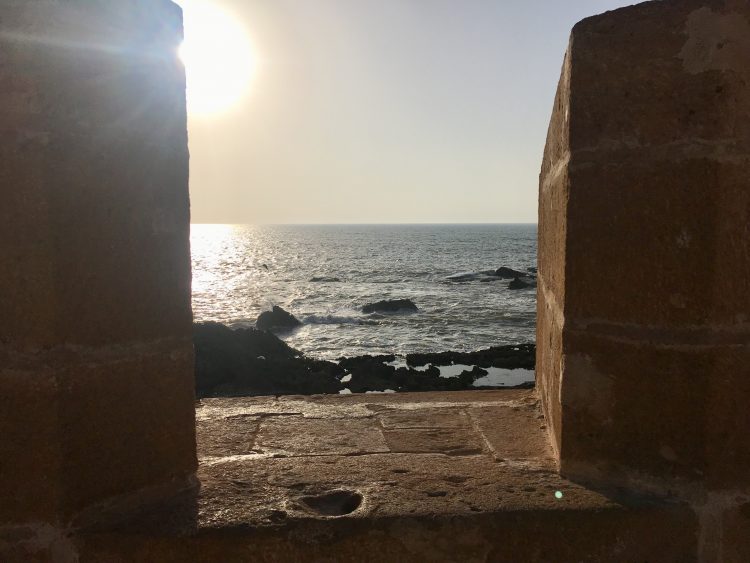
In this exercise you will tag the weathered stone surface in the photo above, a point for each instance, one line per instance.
(735, 531)
(235, 433)
(96, 392)
(506, 442)
(29, 450)
(124, 425)
(423, 418)
(410, 506)
(95, 173)
(449, 441)
(294, 436)
(643, 331)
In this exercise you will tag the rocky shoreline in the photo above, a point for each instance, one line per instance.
(247, 361)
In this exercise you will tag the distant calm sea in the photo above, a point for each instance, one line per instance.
(241, 270)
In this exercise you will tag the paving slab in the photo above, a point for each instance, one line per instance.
(222, 434)
(502, 433)
(442, 417)
(449, 441)
(295, 436)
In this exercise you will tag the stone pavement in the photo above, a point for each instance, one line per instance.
(465, 476)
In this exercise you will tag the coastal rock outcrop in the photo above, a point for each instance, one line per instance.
(390, 306)
(506, 273)
(276, 318)
(483, 276)
(518, 283)
(248, 361)
(508, 356)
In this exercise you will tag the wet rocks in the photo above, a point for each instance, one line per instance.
(508, 357)
(248, 361)
(390, 306)
(254, 362)
(276, 318)
(506, 273)
(518, 283)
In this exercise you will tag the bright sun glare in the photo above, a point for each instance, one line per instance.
(218, 56)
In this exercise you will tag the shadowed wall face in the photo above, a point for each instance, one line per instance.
(644, 315)
(96, 382)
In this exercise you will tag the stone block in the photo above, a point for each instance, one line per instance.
(95, 172)
(29, 449)
(519, 434)
(424, 418)
(650, 244)
(125, 425)
(228, 435)
(449, 441)
(92, 429)
(644, 218)
(735, 538)
(96, 383)
(294, 436)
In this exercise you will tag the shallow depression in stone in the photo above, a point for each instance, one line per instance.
(333, 503)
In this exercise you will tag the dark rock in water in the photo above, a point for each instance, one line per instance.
(390, 306)
(248, 361)
(517, 283)
(463, 277)
(254, 362)
(323, 279)
(508, 357)
(484, 276)
(509, 273)
(276, 318)
(533, 270)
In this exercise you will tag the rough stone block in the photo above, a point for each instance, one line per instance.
(95, 169)
(96, 383)
(735, 538)
(29, 448)
(125, 425)
(644, 222)
(93, 428)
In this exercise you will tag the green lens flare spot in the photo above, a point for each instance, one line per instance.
(558, 494)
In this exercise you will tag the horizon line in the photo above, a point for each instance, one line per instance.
(368, 223)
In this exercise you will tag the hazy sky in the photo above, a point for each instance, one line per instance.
(382, 111)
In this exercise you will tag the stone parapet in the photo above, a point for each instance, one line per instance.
(96, 357)
(643, 339)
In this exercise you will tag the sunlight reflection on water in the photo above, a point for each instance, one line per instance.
(240, 270)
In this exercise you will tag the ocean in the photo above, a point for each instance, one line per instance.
(241, 270)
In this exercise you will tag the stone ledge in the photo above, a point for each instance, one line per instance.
(276, 472)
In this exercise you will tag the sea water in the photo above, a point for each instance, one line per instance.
(446, 270)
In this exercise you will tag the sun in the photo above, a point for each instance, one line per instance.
(219, 59)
